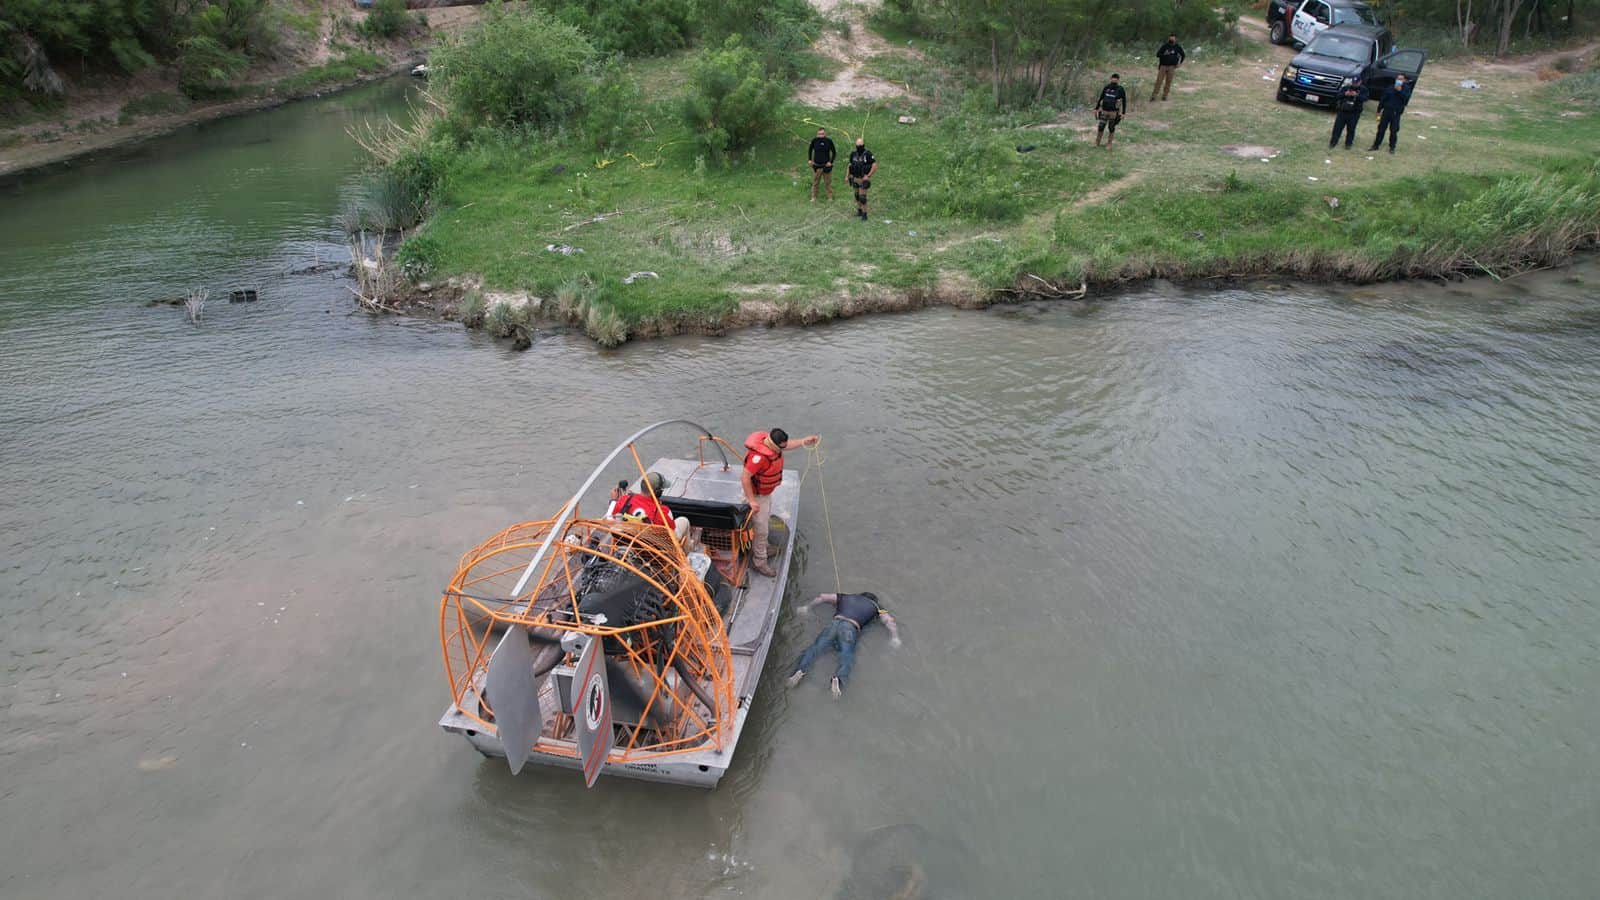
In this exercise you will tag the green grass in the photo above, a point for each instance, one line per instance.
(1478, 185)
(354, 63)
(1583, 87)
(157, 104)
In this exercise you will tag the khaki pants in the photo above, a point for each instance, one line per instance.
(761, 510)
(1163, 81)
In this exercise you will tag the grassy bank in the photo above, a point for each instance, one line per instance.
(1218, 181)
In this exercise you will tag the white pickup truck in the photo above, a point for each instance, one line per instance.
(1298, 21)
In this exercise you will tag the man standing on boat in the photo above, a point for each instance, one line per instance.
(763, 472)
(852, 613)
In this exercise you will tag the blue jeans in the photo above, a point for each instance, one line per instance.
(840, 635)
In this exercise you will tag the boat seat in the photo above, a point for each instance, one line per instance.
(709, 513)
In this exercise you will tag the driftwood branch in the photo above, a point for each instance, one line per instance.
(1043, 288)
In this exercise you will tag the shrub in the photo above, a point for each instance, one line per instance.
(731, 100)
(780, 32)
(418, 257)
(207, 68)
(613, 106)
(387, 19)
(518, 66)
(634, 27)
(216, 51)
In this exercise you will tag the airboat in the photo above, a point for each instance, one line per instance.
(618, 647)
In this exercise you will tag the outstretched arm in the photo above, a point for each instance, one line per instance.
(894, 628)
(821, 599)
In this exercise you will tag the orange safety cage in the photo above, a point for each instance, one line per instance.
(676, 655)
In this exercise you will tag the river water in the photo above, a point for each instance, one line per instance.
(1270, 592)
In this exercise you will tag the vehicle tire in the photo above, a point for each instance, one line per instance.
(1282, 97)
(1280, 33)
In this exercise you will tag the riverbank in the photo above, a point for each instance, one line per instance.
(972, 207)
(328, 54)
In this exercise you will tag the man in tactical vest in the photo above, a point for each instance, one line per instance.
(863, 165)
(852, 613)
(821, 154)
(1169, 56)
(1109, 109)
(763, 472)
(1347, 107)
(1390, 107)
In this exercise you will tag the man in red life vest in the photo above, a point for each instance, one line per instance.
(763, 472)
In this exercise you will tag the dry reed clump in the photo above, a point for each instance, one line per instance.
(471, 309)
(604, 325)
(377, 282)
(195, 304)
(391, 140)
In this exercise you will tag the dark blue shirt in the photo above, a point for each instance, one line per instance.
(1396, 97)
(858, 609)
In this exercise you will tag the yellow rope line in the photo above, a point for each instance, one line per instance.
(814, 460)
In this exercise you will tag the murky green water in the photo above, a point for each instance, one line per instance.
(1252, 593)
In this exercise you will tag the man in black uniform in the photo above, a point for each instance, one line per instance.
(863, 165)
(852, 613)
(1169, 57)
(1390, 107)
(820, 155)
(1109, 109)
(1347, 106)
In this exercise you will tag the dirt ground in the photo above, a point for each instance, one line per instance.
(850, 84)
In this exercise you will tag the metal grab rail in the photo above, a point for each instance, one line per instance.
(572, 505)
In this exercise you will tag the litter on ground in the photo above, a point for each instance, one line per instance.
(639, 276)
(563, 249)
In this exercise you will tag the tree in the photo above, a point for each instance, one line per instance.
(519, 65)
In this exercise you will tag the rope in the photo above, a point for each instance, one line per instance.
(815, 460)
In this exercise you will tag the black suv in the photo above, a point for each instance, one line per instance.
(1336, 56)
(1298, 21)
